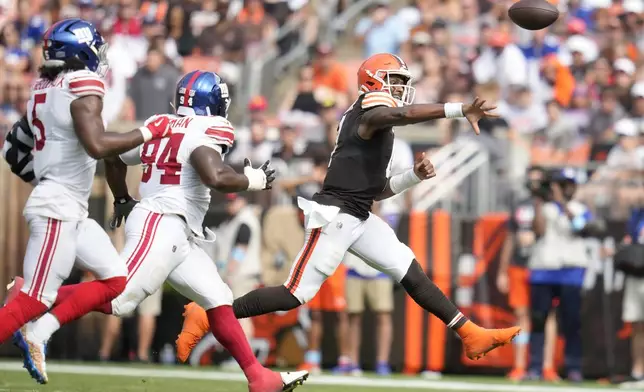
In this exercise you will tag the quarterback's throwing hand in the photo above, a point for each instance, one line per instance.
(122, 208)
(423, 168)
(156, 127)
(261, 178)
(476, 111)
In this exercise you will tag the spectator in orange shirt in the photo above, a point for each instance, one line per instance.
(329, 73)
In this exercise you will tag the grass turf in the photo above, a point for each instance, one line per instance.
(73, 378)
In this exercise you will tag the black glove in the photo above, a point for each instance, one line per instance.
(122, 208)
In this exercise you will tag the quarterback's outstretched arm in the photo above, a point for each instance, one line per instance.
(382, 117)
(215, 174)
(88, 124)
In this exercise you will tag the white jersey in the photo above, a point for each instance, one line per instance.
(169, 184)
(62, 167)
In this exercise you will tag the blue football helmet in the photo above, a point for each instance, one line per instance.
(202, 93)
(75, 38)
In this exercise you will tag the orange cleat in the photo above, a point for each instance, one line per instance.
(550, 375)
(516, 375)
(195, 327)
(479, 341)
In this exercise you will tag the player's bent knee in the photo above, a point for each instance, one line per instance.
(123, 308)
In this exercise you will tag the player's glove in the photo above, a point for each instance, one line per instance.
(156, 127)
(259, 179)
(122, 208)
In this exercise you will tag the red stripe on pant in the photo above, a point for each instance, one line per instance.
(144, 245)
(44, 264)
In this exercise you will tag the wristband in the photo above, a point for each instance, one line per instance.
(403, 181)
(256, 179)
(453, 110)
(147, 134)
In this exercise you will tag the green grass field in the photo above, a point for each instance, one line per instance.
(107, 378)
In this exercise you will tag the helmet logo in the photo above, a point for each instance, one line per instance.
(84, 35)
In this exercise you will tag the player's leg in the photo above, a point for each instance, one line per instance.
(355, 290)
(320, 256)
(149, 309)
(197, 279)
(380, 248)
(551, 335)
(96, 254)
(569, 316)
(540, 304)
(111, 331)
(379, 293)
(519, 300)
(313, 354)
(332, 299)
(48, 261)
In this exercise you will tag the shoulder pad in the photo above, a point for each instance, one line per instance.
(84, 82)
(221, 130)
(378, 98)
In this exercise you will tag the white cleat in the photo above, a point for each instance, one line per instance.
(33, 355)
(293, 380)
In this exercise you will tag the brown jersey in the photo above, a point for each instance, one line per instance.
(357, 172)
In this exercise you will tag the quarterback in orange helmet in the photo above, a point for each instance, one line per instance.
(338, 219)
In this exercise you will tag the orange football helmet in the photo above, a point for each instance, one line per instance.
(374, 75)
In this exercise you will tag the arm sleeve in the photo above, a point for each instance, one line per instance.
(243, 235)
(132, 157)
(85, 83)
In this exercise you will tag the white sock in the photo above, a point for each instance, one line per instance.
(43, 328)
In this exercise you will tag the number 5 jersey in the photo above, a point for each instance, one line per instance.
(62, 167)
(169, 184)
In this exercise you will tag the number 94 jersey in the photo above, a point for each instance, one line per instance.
(169, 184)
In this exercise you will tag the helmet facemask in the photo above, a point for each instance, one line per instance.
(403, 92)
(103, 64)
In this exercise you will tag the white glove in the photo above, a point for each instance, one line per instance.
(259, 179)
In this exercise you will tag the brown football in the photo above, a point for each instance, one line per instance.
(533, 14)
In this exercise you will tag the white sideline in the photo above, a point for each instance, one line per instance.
(315, 380)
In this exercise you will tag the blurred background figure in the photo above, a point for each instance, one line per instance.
(557, 269)
(369, 287)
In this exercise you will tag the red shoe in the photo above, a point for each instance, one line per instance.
(270, 381)
(478, 341)
(551, 375)
(13, 289)
(516, 375)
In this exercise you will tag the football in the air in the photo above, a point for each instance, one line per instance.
(533, 14)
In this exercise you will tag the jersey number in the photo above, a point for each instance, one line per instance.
(167, 160)
(36, 123)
